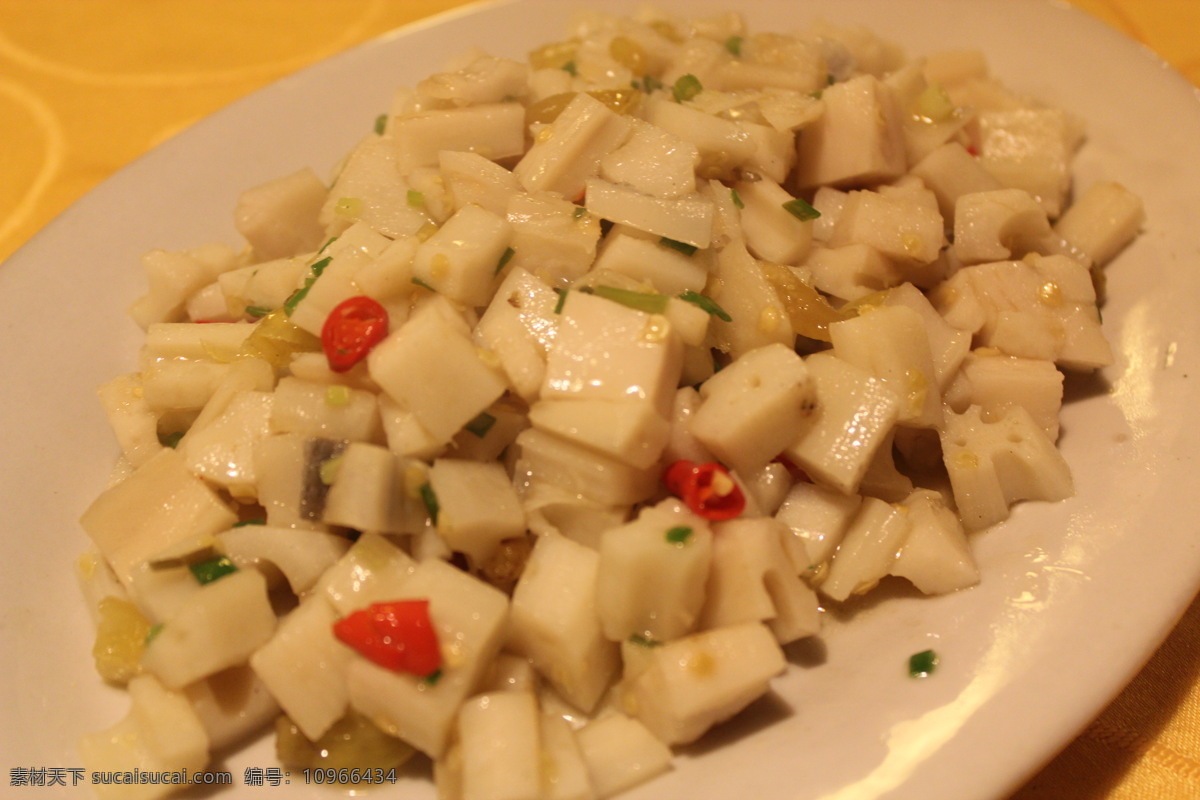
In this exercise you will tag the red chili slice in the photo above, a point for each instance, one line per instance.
(707, 489)
(350, 331)
(397, 635)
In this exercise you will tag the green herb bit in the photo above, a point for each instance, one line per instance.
(641, 301)
(707, 303)
(255, 521)
(432, 678)
(683, 247)
(679, 534)
(570, 68)
(504, 259)
(644, 641)
(482, 423)
(801, 210)
(257, 311)
(325, 246)
(422, 283)
(580, 212)
(431, 502)
(171, 440)
(208, 571)
(648, 84)
(562, 300)
(734, 45)
(381, 124)
(686, 88)
(737, 198)
(415, 199)
(922, 665)
(154, 631)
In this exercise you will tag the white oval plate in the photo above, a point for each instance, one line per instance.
(1075, 596)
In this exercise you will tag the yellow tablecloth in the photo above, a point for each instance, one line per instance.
(88, 85)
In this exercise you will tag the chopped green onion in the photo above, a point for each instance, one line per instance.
(562, 299)
(348, 207)
(580, 212)
(644, 641)
(679, 534)
(734, 45)
(208, 571)
(432, 678)
(421, 282)
(317, 268)
(683, 247)
(504, 259)
(707, 303)
(155, 630)
(922, 665)
(337, 395)
(257, 311)
(415, 199)
(329, 470)
(801, 210)
(243, 523)
(171, 439)
(381, 124)
(326, 245)
(482, 423)
(686, 87)
(290, 304)
(570, 68)
(933, 104)
(642, 301)
(431, 502)
(737, 198)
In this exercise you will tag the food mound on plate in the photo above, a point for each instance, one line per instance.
(525, 443)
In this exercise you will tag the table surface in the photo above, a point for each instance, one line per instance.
(77, 108)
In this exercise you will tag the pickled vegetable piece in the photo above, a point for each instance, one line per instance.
(353, 742)
(505, 566)
(628, 53)
(808, 310)
(120, 639)
(547, 110)
(555, 55)
(275, 339)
